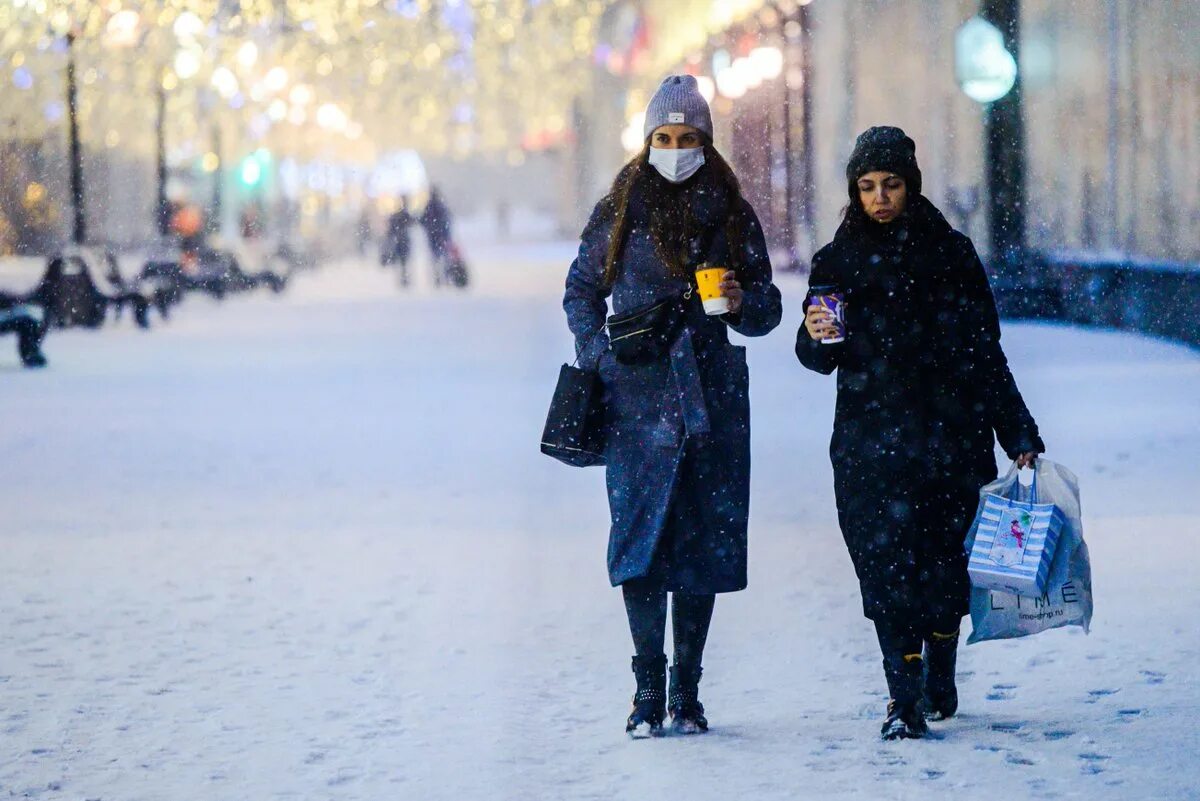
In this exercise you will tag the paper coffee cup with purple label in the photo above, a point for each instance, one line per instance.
(833, 299)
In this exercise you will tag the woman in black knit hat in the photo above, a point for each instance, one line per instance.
(922, 386)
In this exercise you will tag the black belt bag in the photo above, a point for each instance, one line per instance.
(645, 334)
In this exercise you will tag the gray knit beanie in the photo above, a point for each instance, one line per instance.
(678, 102)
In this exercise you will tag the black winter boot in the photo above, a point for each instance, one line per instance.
(941, 656)
(905, 718)
(687, 713)
(649, 702)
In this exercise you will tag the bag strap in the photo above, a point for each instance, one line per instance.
(586, 345)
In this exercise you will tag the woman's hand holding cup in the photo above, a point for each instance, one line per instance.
(719, 290)
(819, 322)
(731, 289)
(824, 316)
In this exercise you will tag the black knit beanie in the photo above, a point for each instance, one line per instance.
(884, 148)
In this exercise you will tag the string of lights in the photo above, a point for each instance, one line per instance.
(344, 77)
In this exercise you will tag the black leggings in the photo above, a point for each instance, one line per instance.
(646, 606)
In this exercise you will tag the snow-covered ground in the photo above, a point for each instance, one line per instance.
(305, 547)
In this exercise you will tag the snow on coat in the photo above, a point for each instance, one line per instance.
(678, 447)
(922, 385)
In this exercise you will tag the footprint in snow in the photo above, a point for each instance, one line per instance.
(932, 774)
(1001, 692)
(1130, 714)
(1014, 758)
(1057, 734)
(1153, 676)
(1092, 763)
(890, 760)
(1008, 727)
(1096, 695)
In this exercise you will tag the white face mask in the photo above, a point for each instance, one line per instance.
(677, 164)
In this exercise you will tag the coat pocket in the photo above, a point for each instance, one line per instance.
(727, 390)
(633, 394)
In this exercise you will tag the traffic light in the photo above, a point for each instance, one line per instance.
(250, 172)
(254, 168)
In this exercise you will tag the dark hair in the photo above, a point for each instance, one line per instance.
(671, 221)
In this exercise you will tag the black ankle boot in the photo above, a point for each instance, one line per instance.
(649, 702)
(687, 713)
(941, 657)
(905, 716)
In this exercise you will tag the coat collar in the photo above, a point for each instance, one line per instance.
(872, 251)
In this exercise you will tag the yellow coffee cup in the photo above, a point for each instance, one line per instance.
(708, 281)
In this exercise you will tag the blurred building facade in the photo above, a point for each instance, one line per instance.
(1111, 92)
(1111, 109)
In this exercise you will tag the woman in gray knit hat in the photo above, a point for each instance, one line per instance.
(923, 391)
(676, 406)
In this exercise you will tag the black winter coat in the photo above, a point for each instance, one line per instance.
(922, 385)
(436, 219)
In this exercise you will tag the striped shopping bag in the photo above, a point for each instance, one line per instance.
(1014, 542)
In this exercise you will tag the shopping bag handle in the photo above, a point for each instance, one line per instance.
(1014, 472)
(1033, 493)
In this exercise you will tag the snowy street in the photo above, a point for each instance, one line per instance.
(305, 547)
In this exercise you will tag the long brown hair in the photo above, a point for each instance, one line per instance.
(671, 222)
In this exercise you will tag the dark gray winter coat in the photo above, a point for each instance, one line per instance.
(678, 450)
(922, 385)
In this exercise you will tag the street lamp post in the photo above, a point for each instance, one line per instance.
(78, 186)
(79, 225)
(799, 135)
(214, 215)
(1004, 152)
(162, 210)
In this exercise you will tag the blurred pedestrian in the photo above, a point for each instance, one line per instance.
(253, 230)
(251, 222)
(678, 426)
(362, 232)
(503, 219)
(436, 221)
(397, 242)
(900, 306)
(187, 223)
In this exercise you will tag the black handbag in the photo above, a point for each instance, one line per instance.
(574, 432)
(645, 334)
